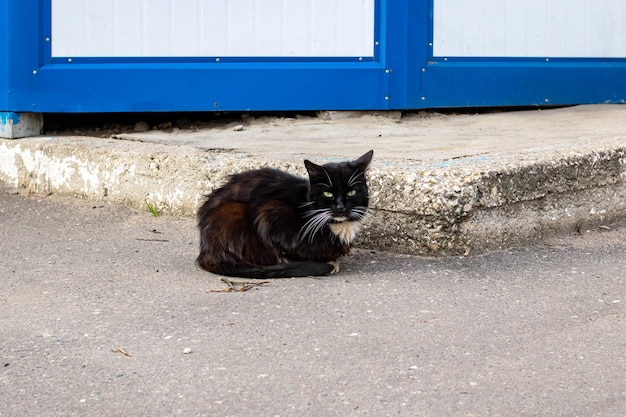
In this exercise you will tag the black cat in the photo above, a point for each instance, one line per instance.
(269, 224)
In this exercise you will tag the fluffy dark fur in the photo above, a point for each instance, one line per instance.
(269, 224)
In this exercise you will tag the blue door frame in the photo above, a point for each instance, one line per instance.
(402, 75)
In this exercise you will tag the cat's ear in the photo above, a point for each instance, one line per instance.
(364, 161)
(314, 170)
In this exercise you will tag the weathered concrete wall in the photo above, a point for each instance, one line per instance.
(455, 212)
(128, 173)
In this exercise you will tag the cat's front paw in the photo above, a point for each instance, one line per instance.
(335, 265)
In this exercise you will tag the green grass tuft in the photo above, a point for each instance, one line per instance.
(152, 209)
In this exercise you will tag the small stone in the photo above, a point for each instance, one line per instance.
(238, 128)
(337, 115)
(182, 123)
(141, 127)
(187, 351)
(433, 246)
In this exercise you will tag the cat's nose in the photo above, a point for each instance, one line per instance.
(339, 207)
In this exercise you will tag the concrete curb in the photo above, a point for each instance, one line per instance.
(462, 206)
(485, 208)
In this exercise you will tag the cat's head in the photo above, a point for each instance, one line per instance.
(338, 191)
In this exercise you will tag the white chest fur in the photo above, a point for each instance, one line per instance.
(345, 231)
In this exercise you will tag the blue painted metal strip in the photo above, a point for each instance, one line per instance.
(515, 82)
(7, 117)
(232, 87)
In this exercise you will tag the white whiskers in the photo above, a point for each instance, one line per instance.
(318, 219)
(354, 178)
(330, 182)
(321, 217)
(358, 212)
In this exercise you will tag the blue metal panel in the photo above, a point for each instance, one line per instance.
(223, 86)
(20, 27)
(491, 82)
(40, 83)
(4, 56)
(402, 75)
(517, 82)
(408, 24)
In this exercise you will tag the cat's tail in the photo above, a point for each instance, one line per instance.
(292, 269)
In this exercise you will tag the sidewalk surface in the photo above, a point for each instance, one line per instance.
(104, 313)
(440, 184)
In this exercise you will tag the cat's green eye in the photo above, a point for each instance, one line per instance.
(351, 193)
(327, 194)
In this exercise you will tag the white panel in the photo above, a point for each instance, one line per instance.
(271, 41)
(129, 31)
(75, 28)
(241, 27)
(530, 28)
(219, 28)
(157, 28)
(186, 31)
(214, 26)
(102, 20)
(297, 34)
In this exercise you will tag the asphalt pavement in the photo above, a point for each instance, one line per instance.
(103, 313)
